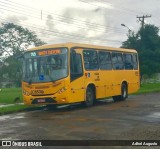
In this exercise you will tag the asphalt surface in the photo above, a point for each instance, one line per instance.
(137, 118)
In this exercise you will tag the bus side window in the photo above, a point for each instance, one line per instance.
(135, 61)
(76, 66)
(128, 63)
(117, 61)
(105, 60)
(120, 61)
(90, 60)
(114, 60)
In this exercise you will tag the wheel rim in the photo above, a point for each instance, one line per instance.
(124, 93)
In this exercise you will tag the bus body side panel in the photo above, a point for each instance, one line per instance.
(77, 90)
(100, 85)
(117, 79)
(134, 84)
(94, 78)
(103, 81)
(106, 78)
(129, 76)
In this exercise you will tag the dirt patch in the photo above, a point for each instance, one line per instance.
(123, 104)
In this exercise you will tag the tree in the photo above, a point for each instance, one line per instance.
(147, 42)
(14, 40)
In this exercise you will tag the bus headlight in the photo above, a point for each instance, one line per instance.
(26, 93)
(61, 90)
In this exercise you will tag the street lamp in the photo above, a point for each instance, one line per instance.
(129, 30)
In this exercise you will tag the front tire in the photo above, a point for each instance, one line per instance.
(89, 97)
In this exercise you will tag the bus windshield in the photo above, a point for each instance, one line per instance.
(45, 65)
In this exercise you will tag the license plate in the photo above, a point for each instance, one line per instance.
(41, 100)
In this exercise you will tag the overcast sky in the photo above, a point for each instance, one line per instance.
(84, 21)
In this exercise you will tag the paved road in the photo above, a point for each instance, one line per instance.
(136, 118)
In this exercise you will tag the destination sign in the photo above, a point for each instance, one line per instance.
(45, 52)
(49, 52)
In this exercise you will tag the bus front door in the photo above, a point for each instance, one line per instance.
(76, 78)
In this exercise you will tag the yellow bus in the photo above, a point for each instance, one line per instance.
(78, 73)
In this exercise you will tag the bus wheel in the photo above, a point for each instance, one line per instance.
(89, 97)
(124, 93)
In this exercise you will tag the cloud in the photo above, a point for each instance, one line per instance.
(49, 22)
(84, 21)
(102, 4)
(16, 19)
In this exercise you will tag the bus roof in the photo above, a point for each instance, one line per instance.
(79, 45)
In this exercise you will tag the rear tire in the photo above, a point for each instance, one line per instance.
(89, 97)
(124, 93)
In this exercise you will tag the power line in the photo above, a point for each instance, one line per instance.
(105, 8)
(119, 9)
(156, 20)
(29, 8)
(78, 26)
(41, 30)
(79, 22)
(17, 11)
(104, 40)
(105, 33)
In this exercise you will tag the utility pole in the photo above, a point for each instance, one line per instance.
(141, 19)
(41, 14)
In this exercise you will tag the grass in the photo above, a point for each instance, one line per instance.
(8, 95)
(149, 88)
(17, 108)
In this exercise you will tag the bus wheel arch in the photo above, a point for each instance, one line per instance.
(90, 95)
